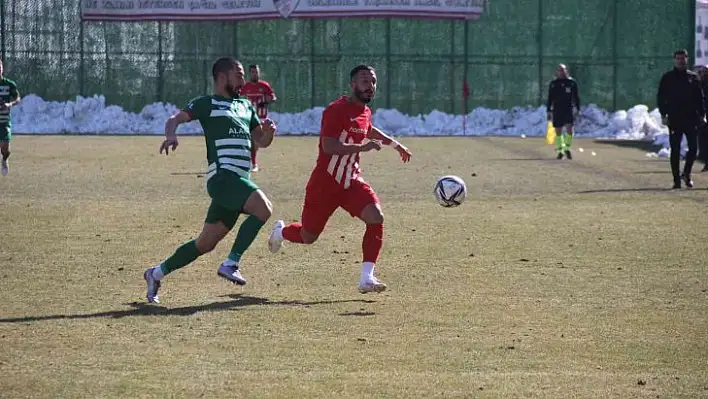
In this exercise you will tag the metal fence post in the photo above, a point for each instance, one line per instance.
(467, 60)
(160, 66)
(615, 54)
(388, 63)
(539, 37)
(2, 28)
(691, 30)
(312, 63)
(82, 61)
(236, 47)
(453, 92)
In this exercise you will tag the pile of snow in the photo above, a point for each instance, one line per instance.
(91, 115)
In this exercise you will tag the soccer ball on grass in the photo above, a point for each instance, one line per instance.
(450, 191)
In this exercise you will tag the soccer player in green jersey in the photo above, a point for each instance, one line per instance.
(229, 124)
(9, 97)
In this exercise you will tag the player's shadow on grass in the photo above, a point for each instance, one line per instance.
(548, 158)
(627, 190)
(197, 174)
(359, 314)
(643, 145)
(145, 309)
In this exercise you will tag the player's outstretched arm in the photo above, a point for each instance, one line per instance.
(263, 133)
(332, 146)
(171, 131)
(376, 134)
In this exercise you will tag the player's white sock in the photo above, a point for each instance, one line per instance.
(229, 262)
(157, 273)
(367, 271)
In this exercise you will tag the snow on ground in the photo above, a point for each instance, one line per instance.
(91, 115)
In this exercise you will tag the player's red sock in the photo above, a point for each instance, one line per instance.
(291, 232)
(253, 156)
(373, 241)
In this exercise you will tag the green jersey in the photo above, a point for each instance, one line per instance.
(227, 125)
(8, 93)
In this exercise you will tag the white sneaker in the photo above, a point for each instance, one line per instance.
(371, 285)
(255, 168)
(275, 241)
(153, 286)
(5, 167)
(231, 273)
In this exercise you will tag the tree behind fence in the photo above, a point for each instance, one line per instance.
(617, 49)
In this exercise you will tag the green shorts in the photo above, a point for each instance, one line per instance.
(229, 193)
(5, 133)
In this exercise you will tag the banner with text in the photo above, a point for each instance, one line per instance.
(214, 10)
(701, 56)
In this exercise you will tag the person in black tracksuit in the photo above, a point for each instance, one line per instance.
(563, 105)
(682, 107)
(702, 71)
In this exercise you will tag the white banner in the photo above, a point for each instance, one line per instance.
(210, 10)
(701, 56)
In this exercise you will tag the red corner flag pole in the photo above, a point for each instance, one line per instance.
(465, 95)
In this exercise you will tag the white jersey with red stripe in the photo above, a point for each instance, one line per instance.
(349, 123)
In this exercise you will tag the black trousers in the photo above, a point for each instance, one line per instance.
(675, 136)
(703, 144)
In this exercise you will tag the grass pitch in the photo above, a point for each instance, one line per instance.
(558, 279)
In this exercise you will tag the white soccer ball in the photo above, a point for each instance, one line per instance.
(450, 191)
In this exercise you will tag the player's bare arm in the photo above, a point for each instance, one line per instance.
(332, 146)
(263, 134)
(376, 134)
(171, 131)
(13, 102)
(270, 96)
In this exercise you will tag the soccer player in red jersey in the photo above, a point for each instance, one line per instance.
(335, 182)
(261, 95)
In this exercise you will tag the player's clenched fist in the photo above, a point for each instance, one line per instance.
(268, 126)
(372, 145)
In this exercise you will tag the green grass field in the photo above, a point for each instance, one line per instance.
(556, 279)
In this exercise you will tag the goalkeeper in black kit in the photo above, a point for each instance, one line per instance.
(563, 106)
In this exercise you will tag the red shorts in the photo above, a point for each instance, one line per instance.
(323, 196)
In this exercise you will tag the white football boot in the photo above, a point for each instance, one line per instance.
(231, 273)
(372, 284)
(275, 241)
(153, 286)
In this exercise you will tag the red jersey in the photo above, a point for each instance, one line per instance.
(349, 123)
(256, 93)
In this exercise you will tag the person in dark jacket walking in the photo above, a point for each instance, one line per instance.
(702, 71)
(682, 107)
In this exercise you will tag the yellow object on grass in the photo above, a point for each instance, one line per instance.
(550, 134)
